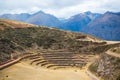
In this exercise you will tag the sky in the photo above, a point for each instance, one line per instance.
(59, 8)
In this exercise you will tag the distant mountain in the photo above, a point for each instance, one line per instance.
(74, 23)
(77, 22)
(91, 15)
(20, 17)
(106, 27)
(41, 18)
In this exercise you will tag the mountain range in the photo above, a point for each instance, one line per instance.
(105, 26)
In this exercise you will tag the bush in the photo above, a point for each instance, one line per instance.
(93, 67)
(118, 78)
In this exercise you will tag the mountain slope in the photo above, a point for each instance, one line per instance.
(43, 19)
(39, 18)
(91, 15)
(79, 21)
(106, 27)
(76, 23)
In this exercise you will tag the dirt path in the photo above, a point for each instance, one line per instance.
(14, 61)
(113, 54)
(23, 71)
(110, 52)
(112, 42)
(93, 77)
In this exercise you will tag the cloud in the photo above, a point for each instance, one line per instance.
(59, 8)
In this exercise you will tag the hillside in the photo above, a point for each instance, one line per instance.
(4, 23)
(107, 66)
(8, 48)
(116, 50)
(31, 37)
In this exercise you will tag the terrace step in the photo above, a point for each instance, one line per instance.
(38, 63)
(35, 57)
(44, 64)
(35, 61)
(64, 58)
(65, 65)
